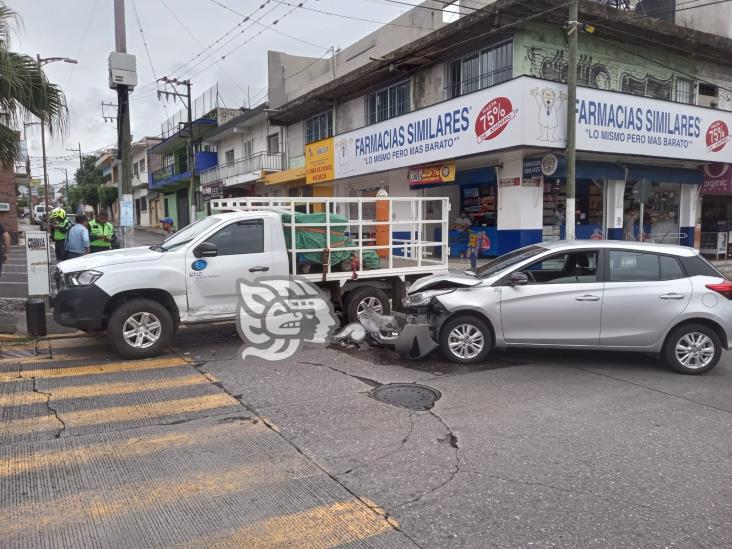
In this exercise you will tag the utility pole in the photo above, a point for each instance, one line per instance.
(68, 196)
(124, 184)
(43, 152)
(190, 159)
(572, 30)
(77, 150)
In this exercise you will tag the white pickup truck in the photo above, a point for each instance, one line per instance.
(140, 296)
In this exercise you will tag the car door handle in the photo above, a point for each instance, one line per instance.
(259, 269)
(587, 298)
(671, 296)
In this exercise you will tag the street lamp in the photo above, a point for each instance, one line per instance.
(45, 61)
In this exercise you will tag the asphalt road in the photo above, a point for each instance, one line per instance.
(530, 449)
(100, 452)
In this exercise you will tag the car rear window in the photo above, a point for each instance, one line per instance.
(698, 266)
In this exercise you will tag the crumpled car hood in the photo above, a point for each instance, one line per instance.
(444, 280)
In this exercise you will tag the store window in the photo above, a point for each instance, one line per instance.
(319, 127)
(651, 212)
(478, 205)
(588, 209)
(480, 69)
(388, 102)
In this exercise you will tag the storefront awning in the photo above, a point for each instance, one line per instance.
(293, 176)
(599, 170)
(660, 174)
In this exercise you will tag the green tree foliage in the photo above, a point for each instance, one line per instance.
(89, 187)
(25, 92)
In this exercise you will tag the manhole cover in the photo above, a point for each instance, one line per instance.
(407, 395)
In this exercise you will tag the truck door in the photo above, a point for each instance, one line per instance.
(237, 252)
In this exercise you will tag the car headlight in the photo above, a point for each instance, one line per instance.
(421, 299)
(82, 278)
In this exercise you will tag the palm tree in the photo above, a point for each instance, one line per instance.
(24, 91)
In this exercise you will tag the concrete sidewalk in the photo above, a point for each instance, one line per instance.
(98, 452)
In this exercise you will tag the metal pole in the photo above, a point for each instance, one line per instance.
(572, 31)
(191, 160)
(43, 149)
(124, 184)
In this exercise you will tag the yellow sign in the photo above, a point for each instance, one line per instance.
(434, 173)
(319, 161)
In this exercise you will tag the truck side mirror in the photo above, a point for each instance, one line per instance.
(519, 279)
(206, 249)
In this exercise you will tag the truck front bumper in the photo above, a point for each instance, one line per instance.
(80, 307)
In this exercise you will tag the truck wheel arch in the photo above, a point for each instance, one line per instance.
(160, 296)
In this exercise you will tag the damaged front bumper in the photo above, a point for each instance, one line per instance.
(410, 340)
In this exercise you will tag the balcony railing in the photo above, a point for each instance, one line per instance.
(273, 162)
(163, 175)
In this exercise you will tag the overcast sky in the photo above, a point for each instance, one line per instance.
(84, 30)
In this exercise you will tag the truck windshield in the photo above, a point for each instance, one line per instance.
(185, 235)
(501, 262)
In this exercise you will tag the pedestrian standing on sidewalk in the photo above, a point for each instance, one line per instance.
(4, 246)
(101, 233)
(77, 241)
(60, 225)
(167, 224)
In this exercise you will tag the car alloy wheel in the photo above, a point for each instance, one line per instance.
(369, 302)
(465, 341)
(694, 350)
(142, 330)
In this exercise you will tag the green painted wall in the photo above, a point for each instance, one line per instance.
(541, 51)
(172, 207)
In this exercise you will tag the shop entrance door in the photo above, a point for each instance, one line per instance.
(181, 198)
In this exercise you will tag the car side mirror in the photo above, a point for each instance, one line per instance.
(206, 249)
(519, 279)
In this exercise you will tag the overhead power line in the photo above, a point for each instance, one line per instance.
(301, 40)
(182, 66)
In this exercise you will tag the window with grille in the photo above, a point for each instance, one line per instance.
(142, 165)
(479, 70)
(319, 127)
(229, 156)
(684, 91)
(388, 102)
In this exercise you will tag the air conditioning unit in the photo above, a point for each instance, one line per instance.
(122, 70)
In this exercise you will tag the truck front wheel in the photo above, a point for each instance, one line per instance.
(140, 328)
(362, 298)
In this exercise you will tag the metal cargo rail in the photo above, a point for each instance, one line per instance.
(417, 231)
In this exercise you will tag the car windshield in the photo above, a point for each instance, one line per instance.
(187, 234)
(502, 262)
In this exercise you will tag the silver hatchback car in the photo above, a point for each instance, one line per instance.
(602, 295)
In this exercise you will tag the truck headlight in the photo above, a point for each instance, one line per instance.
(422, 299)
(83, 278)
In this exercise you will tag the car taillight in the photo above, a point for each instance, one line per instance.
(724, 288)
